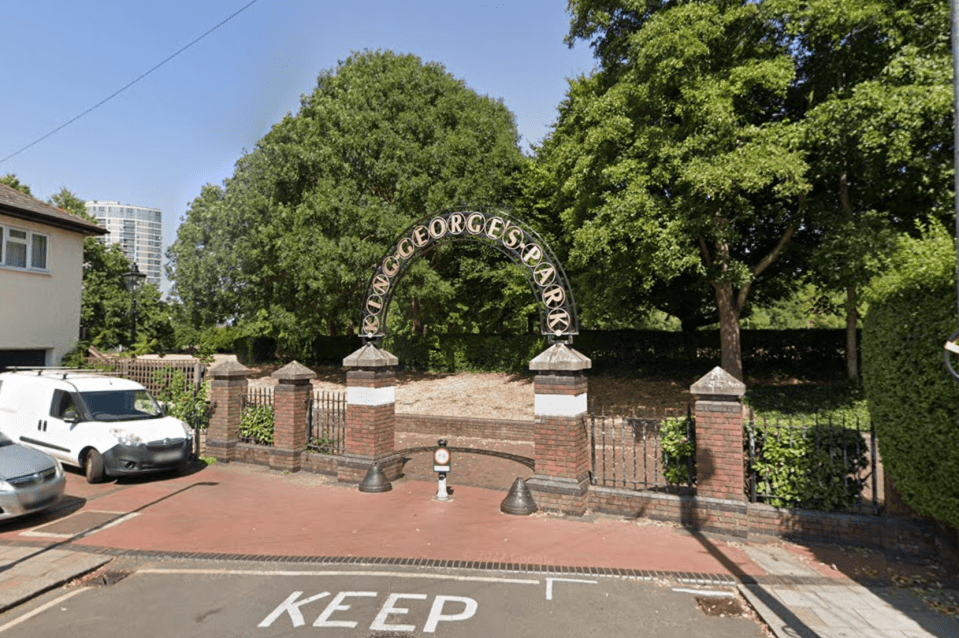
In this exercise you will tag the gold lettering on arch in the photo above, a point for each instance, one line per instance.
(558, 320)
(456, 223)
(421, 236)
(381, 283)
(554, 296)
(512, 236)
(555, 300)
(391, 266)
(475, 223)
(405, 248)
(437, 228)
(371, 324)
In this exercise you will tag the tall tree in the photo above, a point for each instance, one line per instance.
(675, 157)
(287, 244)
(874, 88)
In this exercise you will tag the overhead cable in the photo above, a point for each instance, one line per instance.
(121, 90)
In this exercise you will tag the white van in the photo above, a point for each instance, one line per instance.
(106, 425)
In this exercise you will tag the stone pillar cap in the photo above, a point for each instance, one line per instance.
(369, 356)
(230, 369)
(718, 383)
(294, 371)
(560, 358)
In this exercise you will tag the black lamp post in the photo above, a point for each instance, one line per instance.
(133, 279)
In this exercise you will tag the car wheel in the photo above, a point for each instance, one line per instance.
(93, 465)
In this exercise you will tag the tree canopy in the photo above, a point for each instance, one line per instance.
(674, 159)
(742, 146)
(287, 244)
(873, 88)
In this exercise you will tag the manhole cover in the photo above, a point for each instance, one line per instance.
(720, 606)
(76, 523)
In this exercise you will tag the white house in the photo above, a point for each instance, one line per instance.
(41, 278)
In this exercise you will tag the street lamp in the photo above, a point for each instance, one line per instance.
(132, 280)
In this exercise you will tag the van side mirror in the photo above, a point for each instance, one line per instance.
(71, 416)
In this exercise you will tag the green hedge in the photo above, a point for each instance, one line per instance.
(913, 401)
(817, 467)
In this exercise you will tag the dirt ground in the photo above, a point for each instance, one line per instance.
(502, 396)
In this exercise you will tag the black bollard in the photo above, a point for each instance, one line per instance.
(519, 500)
(375, 481)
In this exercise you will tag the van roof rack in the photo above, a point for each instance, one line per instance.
(56, 371)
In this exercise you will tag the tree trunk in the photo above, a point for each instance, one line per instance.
(418, 328)
(727, 302)
(688, 328)
(852, 352)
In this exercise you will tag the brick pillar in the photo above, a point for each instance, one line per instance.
(228, 386)
(370, 415)
(720, 469)
(561, 478)
(291, 405)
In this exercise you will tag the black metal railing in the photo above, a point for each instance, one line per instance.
(824, 466)
(327, 423)
(642, 449)
(257, 429)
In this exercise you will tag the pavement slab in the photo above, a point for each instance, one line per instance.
(27, 572)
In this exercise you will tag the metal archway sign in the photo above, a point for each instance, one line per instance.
(546, 277)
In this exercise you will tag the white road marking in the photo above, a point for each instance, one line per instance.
(705, 592)
(86, 532)
(550, 581)
(259, 572)
(41, 609)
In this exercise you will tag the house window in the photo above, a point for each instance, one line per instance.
(23, 249)
(38, 253)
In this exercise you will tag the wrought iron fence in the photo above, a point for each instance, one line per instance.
(642, 450)
(256, 422)
(327, 423)
(823, 466)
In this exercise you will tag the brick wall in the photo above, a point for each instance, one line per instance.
(498, 429)
(908, 536)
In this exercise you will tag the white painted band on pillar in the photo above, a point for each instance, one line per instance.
(559, 404)
(370, 396)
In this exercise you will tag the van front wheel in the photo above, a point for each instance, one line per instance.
(93, 465)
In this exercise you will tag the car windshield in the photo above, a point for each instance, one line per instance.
(121, 405)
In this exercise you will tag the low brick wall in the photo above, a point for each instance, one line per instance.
(499, 429)
(907, 536)
(254, 454)
(320, 463)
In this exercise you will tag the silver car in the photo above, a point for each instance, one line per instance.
(29, 480)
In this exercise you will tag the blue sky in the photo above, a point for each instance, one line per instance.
(185, 125)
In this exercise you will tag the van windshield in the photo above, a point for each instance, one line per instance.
(121, 405)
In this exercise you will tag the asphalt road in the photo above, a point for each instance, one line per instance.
(195, 598)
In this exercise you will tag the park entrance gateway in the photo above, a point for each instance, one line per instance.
(561, 472)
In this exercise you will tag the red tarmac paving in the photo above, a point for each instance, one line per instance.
(244, 509)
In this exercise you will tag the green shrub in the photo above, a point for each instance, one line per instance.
(323, 444)
(256, 424)
(181, 400)
(913, 402)
(816, 467)
(677, 440)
